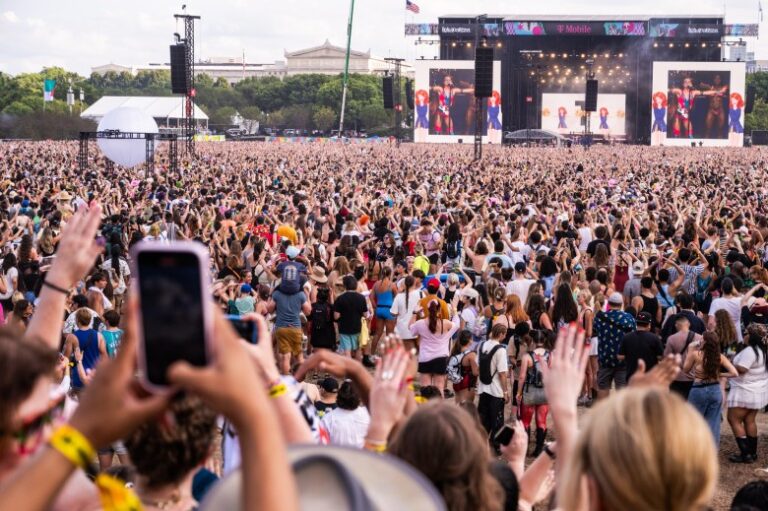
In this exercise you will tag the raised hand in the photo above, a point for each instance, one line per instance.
(77, 248)
(564, 376)
(661, 375)
(389, 391)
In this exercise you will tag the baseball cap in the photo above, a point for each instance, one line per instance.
(329, 384)
(246, 288)
(292, 252)
(643, 319)
(638, 267)
(470, 293)
(616, 299)
(433, 284)
(520, 267)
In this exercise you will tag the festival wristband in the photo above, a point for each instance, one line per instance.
(278, 390)
(71, 444)
(114, 496)
(378, 447)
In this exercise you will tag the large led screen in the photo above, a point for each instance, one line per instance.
(445, 110)
(564, 113)
(699, 103)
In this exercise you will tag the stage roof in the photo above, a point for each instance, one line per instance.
(553, 17)
(164, 107)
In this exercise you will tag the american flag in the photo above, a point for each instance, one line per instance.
(410, 6)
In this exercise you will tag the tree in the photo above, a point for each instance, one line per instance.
(324, 118)
(221, 82)
(758, 119)
(221, 116)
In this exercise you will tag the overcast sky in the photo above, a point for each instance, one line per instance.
(79, 34)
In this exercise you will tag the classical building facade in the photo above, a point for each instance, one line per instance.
(326, 59)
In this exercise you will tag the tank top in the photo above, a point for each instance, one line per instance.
(384, 299)
(89, 345)
(651, 306)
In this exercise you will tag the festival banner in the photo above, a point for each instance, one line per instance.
(575, 28)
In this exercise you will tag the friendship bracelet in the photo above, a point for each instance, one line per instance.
(377, 447)
(114, 496)
(71, 444)
(278, 390)
(56, 288)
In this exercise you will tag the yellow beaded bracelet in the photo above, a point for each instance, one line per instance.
(278, 390)
(378, 447)
(71, 444)
(114, 496)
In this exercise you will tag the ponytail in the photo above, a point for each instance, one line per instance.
(408, 285)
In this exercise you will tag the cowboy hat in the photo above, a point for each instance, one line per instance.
(318, 275)
(340, 479)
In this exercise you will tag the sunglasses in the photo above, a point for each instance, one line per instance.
(29, 436)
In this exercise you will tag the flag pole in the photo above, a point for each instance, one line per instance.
(346, 68)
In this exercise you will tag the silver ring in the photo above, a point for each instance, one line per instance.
(387, 375)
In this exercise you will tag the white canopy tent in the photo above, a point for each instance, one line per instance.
(167, 111)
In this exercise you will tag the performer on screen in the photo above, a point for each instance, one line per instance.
(686, 96)
(494, 109)
(604, 119)
(446, 96)
(716, 113)
(422, 109)
(561, 113)
(659, 128)
(735, 128)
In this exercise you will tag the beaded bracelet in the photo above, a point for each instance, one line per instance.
(71, 444)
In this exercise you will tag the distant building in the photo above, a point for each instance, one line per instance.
(325, 59)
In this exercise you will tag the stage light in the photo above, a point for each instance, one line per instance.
(621, 55)
(719, 45)
(582, 67)
(549, 73)
(607, 55)
(583, 56)
(621, 81)
(498, 45)
(553, 55)
(453, 44)
(594, 56)
(533, 73)
(469, 45)
(543, 81)
(687, 45)
(655, 45)
(703, 45)
(565, 55)
(541, 55)
(671, 45)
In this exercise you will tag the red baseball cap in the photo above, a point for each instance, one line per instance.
(434, 283)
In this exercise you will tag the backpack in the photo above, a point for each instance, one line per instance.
(534, 376)
(479, 327)
(290, 278)
(454, 368)
(494, 314)
(320, 316)
(484, 361)
(452, 249)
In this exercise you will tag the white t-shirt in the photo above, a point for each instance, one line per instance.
(731, 305)
(586, 238)
(404, 313)
(13, 273)
(755, 379)
(498, 365)
(347, 427)
(520, 287)
(522, 254)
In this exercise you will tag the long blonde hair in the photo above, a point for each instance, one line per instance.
(665, 443)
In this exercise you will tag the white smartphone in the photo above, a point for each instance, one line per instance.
(174, 320)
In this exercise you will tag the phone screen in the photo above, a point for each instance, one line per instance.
(172, 311)
(245, 329)
(505, 434)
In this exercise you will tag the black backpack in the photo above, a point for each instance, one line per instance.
(320, 316)
(484, 361)
(452, 249)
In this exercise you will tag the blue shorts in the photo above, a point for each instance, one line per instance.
(382, 312)
(349, 342)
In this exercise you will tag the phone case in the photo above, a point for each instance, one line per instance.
(174, 247)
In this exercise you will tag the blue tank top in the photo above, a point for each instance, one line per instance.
(385, 299)
(89, 345)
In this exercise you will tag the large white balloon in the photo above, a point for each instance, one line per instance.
(127, 153)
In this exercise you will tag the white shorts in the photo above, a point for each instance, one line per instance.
(593, 347)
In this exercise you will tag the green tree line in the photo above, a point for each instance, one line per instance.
(310, 101)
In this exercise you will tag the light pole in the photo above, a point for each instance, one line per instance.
(70, 97)
(346, 68)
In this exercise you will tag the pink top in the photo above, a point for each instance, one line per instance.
(432, 346)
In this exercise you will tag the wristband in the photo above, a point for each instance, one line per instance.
(377, 447)
(71, 444)
(56, 288)
(278, 390)
(114, 496)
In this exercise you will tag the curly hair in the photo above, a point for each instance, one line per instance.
(165, 455)
(724, 329)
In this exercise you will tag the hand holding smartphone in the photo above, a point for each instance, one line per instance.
(505, 434)
(174, 320)
(246, 329)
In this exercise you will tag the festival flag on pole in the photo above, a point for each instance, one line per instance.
(410, 6)
(48, 88)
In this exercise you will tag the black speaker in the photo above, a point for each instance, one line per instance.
(387, 87)
(179, 83)
(590, 98)
(409, 93)
(750, 99)
(483, 72)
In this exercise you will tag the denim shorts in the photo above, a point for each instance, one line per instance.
(349, 342)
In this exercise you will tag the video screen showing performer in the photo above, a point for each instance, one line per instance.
(698, 104)
(452, 102)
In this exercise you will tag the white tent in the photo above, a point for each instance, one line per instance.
(166, 110)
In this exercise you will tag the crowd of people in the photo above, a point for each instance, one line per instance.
(484, 335)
